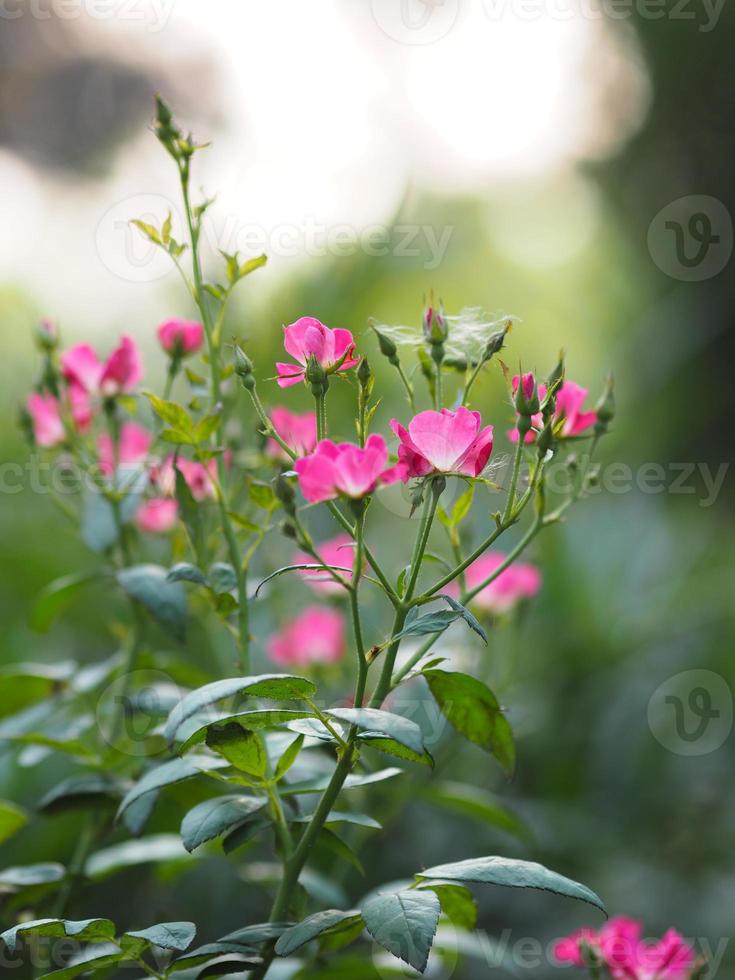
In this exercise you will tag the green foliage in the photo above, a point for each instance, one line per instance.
(404, 923)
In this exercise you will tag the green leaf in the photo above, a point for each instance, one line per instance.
(435, 622)
(279, 687)
(342, 816)
(185, 572)
(85, 930)
(156, 849)
(250, 265)
(333, 844)
(262, 495)
(56, 596)
(466, 615)
(208, 952)
(214, 817)
(93, 958)
(244, 522)
(150, 232)
(166, 935)
(302, 567)
(89, 789)
(191, 514)
(514, 874)
(171, 413)
(252, 720)
(98, 525)
(457, 904)
(404, 923)
(229, 963)
(178, 437)
(243, 749)
(32, 874)
(12, 819)
(288, 758)
(353, 780)
(164, 600)
(478, 804)
(391, 747)
(222, 577)
(205, 428)
(472, 708)
(174, 771)
(298, 935)
(401, 729)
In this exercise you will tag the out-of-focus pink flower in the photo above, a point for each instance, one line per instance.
(197, 475)
(317, 635)
(122, 370)
(48, 429)
(308, 336)
(569, 401)
(157, 515)
(344, 468)
(628, 957)
(181, 337)
(444, 442)
(135, 441)
(297, 431)
(521, 580)
(339, 552)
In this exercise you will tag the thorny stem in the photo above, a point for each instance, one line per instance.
(510, 503)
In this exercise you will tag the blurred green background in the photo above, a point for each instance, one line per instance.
(546, 147)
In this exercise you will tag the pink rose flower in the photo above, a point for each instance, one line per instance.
(120, 373)
(444, 442)
(297, 431)
(569, 401)
(519, 581)
(157, 516)
(197, 475)
(316, 636)
(181, 337)
(48, 429)
(339, 552)
(626, 956)
(135, 442)
(307, 336)
(344, 468)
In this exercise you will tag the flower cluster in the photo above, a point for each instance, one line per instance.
(620, 949)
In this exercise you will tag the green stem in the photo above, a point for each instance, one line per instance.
(321, 415)
(407, 385)
(473, 377)
(362, 663)
(279, 819)
(510, 503)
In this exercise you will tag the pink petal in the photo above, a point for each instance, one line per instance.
(157, 516)
(413, 463)
(48, 429)
(317, 477)
(123, 369)
(444, 437)
(288, 374)
(475, 459)
(344, 341)
(81, 366)
(294, 336)
(297, 431)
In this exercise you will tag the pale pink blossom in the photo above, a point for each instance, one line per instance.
(338, 552)
(308, 336)
(626, 956)
(157, 515)
(521, 580)
(181, 337)
(197, 475)
(297, 431)
(135, 441)
(122, 370)
(344, 468)
(48, 429)
(317, 635)
(569, 402)
(444, 442)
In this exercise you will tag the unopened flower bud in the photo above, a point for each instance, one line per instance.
(364, 373)
(556, 377)
(168, 134)
(458, 363)
(434, 324)
(316, 376)
(387, 347)
(244, 368)
(545, 440)
(526, 399)
(47, 336)
(285, 492)
(496, 342)
(287, 529)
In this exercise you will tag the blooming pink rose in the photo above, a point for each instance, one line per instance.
(345, 468)
(519, 581)
(197, 475)
(339, 552)
(297, 431)
(48, 429)
(569, 400)
(626, 956)
(307, 336)
(317, 635)
(135, 441)
(181, 337)
(122, 370)
(157, 516)
(444, 442)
